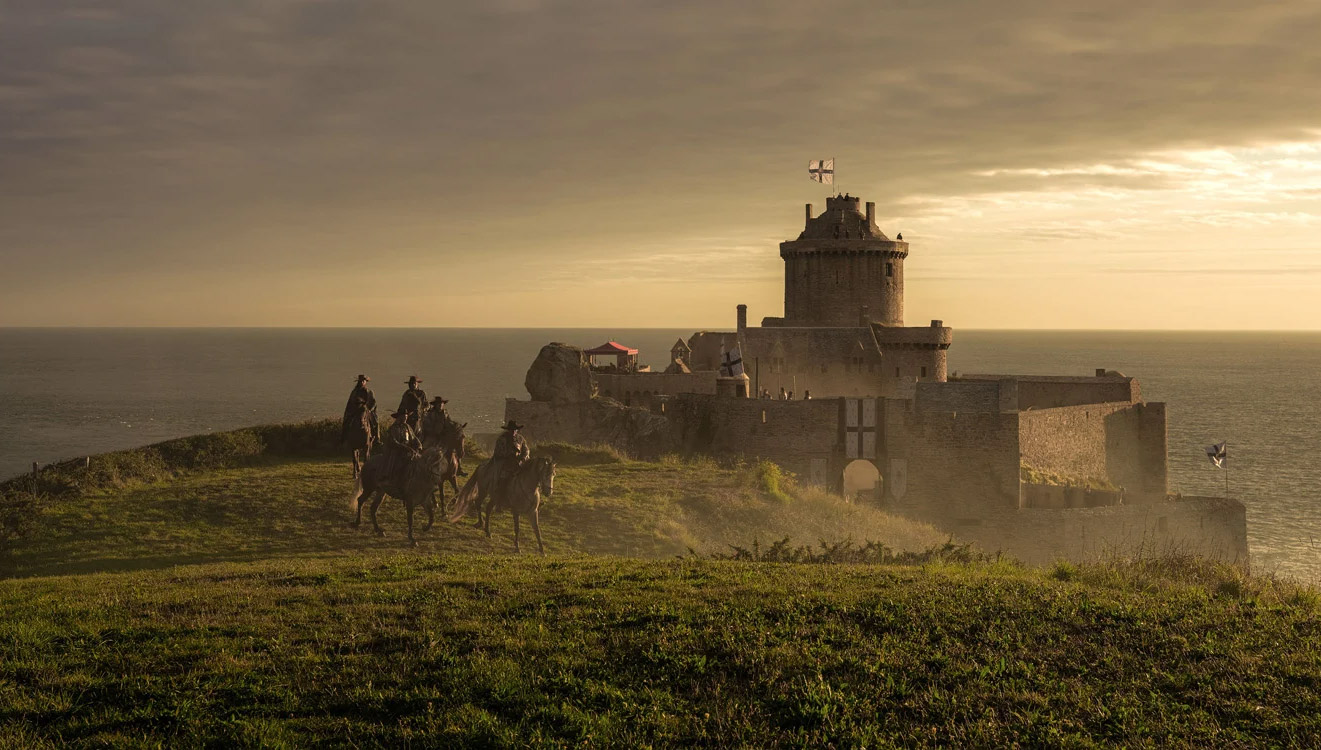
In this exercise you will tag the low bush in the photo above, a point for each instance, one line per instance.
(848, 552)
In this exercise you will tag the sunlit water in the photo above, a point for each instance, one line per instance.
(76, 392)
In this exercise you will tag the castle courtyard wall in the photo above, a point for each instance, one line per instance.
(1120, 444)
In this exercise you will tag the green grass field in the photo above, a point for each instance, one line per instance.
(212, 594)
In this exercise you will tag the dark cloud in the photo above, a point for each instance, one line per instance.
(280, 133)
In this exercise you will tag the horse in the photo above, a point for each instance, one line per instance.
(421, 476)
(360, 436)
(451, 446)
(521, 495)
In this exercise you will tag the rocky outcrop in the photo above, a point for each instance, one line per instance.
(559, 375)
(637, 432)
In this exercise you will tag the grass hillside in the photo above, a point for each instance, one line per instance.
(487, 651)
(274, 493)
(209, 592)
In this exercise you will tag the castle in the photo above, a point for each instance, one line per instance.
(1041, 467)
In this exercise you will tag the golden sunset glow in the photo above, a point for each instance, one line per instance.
(572, 164)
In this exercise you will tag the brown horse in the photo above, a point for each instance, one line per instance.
(360, 437)
(421, 476)
(451, 447)
(521, 495)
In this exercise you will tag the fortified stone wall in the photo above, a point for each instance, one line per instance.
(635, 431)
(1059, 497)
(1123, 444)
(638, 389)
(960, 464)
(790, 433)
(1049, 391)
(958, 396)
(1213, 528)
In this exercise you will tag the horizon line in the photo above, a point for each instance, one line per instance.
(601, 327)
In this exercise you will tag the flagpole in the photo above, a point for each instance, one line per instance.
(1226, 469)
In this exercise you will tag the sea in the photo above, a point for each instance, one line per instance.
(75, 392)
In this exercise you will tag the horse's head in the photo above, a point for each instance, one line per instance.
(546, 475)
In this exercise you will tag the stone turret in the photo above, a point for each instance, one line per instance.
(842, 269)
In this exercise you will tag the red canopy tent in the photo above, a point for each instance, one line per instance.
(626, 357)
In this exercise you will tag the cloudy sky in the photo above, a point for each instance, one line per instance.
(1118, 164)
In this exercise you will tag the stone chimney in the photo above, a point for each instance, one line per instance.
(808, 218)
(742, 317)
(1100, 372)
(871, 212)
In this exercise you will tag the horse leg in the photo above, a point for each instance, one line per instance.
(359, 498)
(536, 529)
(411, 541)
(515, 510)
(489, 503)
(431, 509)
(355, 463)
(376, 503)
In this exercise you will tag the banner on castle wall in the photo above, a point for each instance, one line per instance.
(731, 363)
(822, 171)
(896, 481)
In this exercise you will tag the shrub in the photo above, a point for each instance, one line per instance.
(870, 553)
(770, 478)
(1064, 571)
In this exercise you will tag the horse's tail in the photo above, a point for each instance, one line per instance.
(471, 488)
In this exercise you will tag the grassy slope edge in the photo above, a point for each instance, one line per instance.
(500, 651)
(283, 491)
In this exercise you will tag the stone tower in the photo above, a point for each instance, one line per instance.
(842, 271)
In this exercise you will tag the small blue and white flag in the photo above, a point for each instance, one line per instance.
(1218, 453)
(822, 171)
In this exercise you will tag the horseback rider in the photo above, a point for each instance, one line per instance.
(360, 400)
(437, 425)
(414, 402)
(511, 452)
(401, 446)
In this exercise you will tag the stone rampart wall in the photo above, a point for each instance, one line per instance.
(1119, 443)
(960, 464)
(1058, 497)
(637, 389)
(1213, 528)
(790, 433)
(1053, 391)
(958, 396)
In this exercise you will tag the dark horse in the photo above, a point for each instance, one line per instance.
(521, 495)
(360, 438)
(421, 476)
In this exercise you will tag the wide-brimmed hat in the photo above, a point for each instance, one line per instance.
(363, 378)
(511, 425)
(400, 413)
(414, 379)
(439, 400)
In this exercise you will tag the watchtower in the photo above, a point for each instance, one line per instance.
(842, 271)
